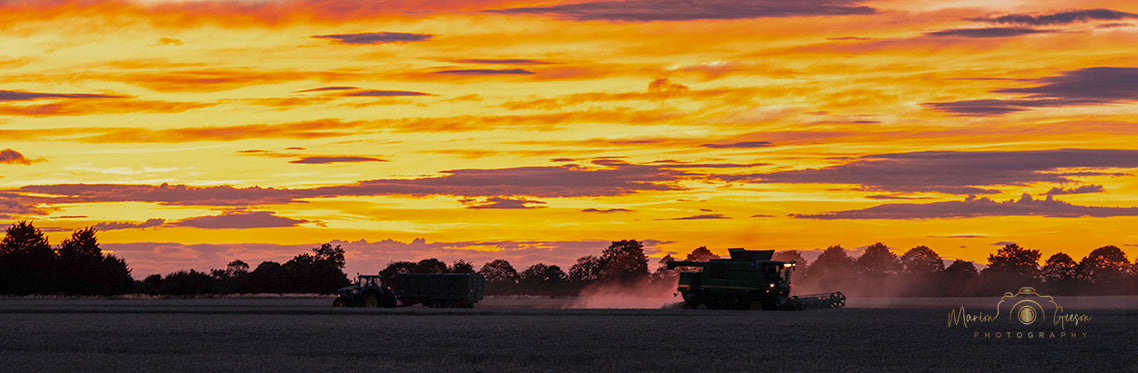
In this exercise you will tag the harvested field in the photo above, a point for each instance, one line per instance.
(300, 334)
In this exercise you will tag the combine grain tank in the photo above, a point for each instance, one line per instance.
(749, 280)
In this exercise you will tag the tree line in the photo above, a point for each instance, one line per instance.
(321, 272)
(30, 265)
(77, 266)
(920, 271)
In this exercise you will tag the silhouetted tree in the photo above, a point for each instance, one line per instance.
(187, 283)
(462, 266)
(319, 272)
(1061, 274)
(1013, 259)
(269, 277)
(878, 263)
(332, 255)
(921, 269)
(701, 254)
(431, 265)
(83, 269)
(326, 273)
(1010, 268)
(395, 268)
(624, 261)
(541, 279)
(1105, 267)
(27, 262)
(662, 273)
(500, 276)
(587, 270)
(960, 278)
(831, 268)
(921, 261)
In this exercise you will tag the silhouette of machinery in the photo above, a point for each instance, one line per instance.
(435, 290)
(748, 280)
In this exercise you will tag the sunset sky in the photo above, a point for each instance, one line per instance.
(192, 133)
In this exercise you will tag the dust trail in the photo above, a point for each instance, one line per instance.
(643, 294)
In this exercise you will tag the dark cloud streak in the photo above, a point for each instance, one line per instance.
(1059, 18)
(955, 172)
(678, 10)
(1088, 86)
(978, 207)
(988, 32)
(374, 38)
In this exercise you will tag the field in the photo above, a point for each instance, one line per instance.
(302, 334)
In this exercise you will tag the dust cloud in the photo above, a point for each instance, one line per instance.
(643, 294)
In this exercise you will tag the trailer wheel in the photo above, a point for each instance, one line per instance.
(339, 302)
(371, 301)
(389, 301)
(756, 305)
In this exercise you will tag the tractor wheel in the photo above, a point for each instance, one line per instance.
(339, 302)
(371, 301)
(756, 305)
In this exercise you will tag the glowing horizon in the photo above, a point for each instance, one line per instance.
(193, 133)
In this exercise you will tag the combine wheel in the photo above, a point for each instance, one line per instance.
(371, 300)
(339, 302)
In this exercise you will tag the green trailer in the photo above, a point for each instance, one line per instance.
(448, 290)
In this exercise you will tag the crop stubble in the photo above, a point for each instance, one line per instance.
(217, 335)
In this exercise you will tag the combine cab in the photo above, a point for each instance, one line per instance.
(749, 280)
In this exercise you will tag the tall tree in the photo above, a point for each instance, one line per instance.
(1060, 273)
(395, 268)
(1105, 265)
(27, 262)
(268, 277)
(543, 279)
(624, 261)
(1015, 260)
(878, 262)
(84, 269)
(834, 261)
(80, 261)
(462, 266)
(588, 269)
(499, 272)
(960, 278)
(921, 262)
(431, 265)
(831, 269)
(701, 254)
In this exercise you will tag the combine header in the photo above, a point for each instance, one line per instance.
(749, 280)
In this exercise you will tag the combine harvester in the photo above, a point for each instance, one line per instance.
(749, 280)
